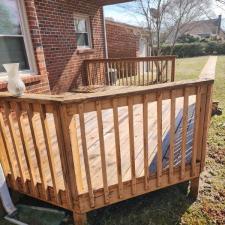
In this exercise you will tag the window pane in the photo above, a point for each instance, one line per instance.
(12, 50)
(80, 25)
(9, 18)
(82, 40)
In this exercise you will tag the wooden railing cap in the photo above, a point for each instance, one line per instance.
(117, 92)
(165, 57)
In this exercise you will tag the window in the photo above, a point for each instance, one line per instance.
(15, 43)
(83, 31)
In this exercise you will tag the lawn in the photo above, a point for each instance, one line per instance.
(172, 205)
(189, 68)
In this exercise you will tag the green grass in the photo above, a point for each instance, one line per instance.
(189, 68)
(172, 206)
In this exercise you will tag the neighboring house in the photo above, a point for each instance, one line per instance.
(204, 29)
(50, 40)
(125, 40)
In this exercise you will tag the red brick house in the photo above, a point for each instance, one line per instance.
(50, 40)
(124, 40)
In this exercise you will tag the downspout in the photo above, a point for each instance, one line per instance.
(105, 35)
(7, 203)
(4, 194)
(106, 46)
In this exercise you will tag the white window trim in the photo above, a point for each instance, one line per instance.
(87, 18)
(27, 42)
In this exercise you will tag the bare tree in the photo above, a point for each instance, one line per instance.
(221, 1)
(220, 4)
(165, 20)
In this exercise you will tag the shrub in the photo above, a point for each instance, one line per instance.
(185, 50)
(211, 48)
(195, 49)
(187, 38)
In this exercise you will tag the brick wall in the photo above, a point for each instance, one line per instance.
(64, 62)
(34, 83)
(121, 40)
(58, 60)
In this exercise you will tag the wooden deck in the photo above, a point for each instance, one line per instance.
(88, 150)
(93, 144)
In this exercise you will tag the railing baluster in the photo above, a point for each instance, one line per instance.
(123, 70)
(196, 131)
(88, 73)
(159, 139)
(172, 135)
(130, 72)
(143, 75)
(111, 73)
(25, 143)
(184, 133)
(148, 68)
(134, 71)
(15, 143)
(85, 153)
(126, 71)
(145, 141)
(48, 145)
(173, 70)
(115, 73)
(102, 151)
(162, 71)
(152, 72)
(8, 154)
(166, 70)
(119, 75)
(131, 137)
(117, 145)
(138, 72)
(33, 129)
(90, 66)
(3, 156)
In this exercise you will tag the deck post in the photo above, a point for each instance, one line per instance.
(80, 218)
(194, 187)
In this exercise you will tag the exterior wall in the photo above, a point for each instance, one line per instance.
(34, 83)
(58, 60)
(121, 40)
(64, 62)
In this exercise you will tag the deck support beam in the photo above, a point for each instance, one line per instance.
(80, 218)
(194, 187)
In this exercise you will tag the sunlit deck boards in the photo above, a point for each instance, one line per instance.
(93, 143)
(109, 137)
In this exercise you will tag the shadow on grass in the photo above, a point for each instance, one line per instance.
(165, 206)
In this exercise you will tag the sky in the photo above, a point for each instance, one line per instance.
(119, 14)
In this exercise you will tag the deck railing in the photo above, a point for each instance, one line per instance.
(86, 151)
(138, 71)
